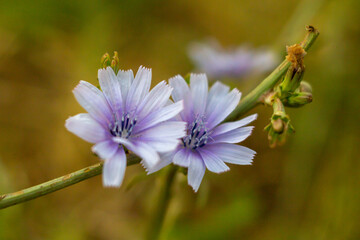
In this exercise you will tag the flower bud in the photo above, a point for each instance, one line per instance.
(279, 125)
(291, 80)
(299, 99)
(305, 87)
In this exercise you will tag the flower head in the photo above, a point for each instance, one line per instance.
(234, 63)
(126, 114)
(208, 144)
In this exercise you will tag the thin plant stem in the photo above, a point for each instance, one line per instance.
(162, 204)
(45, 188)
(248, 102)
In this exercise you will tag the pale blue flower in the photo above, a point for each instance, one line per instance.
(208, 144)
(237, 62)
(126, 114)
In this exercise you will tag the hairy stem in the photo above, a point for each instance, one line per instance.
(42, 189)
(162, 203)
(248, 102)
(252, 99)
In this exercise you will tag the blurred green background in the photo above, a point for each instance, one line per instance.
(307, 189)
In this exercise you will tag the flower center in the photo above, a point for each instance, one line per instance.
(122, 128)
(198, 134)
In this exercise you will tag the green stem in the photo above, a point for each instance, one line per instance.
(42, 189)
(246, 104)
(161, 205)
(252, 99)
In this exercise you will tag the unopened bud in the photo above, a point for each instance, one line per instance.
(279, 125)
(299, 99)
(305, 87)
(291, 80)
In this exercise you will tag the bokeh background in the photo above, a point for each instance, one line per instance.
(307, 189)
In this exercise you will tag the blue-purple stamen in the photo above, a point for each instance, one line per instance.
(197, 134)
(123, 128)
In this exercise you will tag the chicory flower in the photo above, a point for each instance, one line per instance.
(207, 144)
(236, 62)
(126, 114)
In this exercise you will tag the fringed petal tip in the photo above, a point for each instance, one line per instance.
(176, 78)
(148, 169)
(107, 69)
(237, 92)
(143, 68)
(198, 75)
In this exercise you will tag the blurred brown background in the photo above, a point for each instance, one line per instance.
(307, 189)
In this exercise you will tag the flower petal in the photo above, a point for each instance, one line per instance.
(155, 99)
(233, 136)
(165, 159)
(199, 92)
(216, 93)
(232, 153)
(164, 136)
(114, 169)
(225, 127)
(212, 162)
(180, 92)
(149, 156)
(138, 89)
(196, 171)
(125, 78)
(105, 149)
(182, 157)
(158, 116)
(181, 89)
(162, 144)
(93, 101)
(224, 107)
(169, 129)
(85, 127)
(110, 86)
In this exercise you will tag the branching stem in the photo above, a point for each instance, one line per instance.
(252, 99)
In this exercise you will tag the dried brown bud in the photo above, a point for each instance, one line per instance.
(296, 55)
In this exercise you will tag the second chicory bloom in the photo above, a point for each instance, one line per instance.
(237, 62)
(207, 144)
(126, 114)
